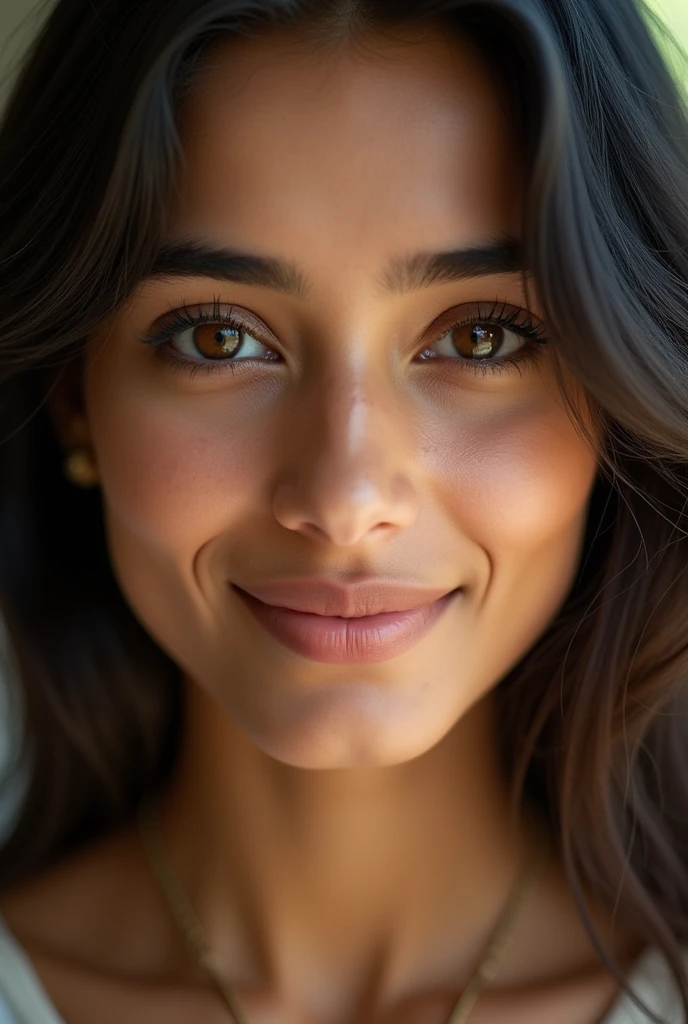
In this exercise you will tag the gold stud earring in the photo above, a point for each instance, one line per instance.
(80, 468)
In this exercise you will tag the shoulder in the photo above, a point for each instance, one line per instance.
(60, 911)
(49, 926)
(7, 1015)
(98, 910)
(22, 998)
(654, 983)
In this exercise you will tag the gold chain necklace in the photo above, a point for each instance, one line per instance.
(183, 913)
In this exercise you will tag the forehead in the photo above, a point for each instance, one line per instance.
(384, 145)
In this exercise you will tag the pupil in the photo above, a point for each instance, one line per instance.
(228, 340)
(483, 339)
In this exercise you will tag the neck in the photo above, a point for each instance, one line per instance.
(400, 870)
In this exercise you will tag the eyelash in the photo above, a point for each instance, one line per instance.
(182, 319)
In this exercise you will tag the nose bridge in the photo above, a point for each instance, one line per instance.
(349, 416)
(348, 455)
(354, 409)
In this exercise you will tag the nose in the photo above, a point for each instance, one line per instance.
(348, 457)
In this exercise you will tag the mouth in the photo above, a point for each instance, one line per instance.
(336, 639)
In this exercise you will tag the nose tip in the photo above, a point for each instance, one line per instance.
(343, 512)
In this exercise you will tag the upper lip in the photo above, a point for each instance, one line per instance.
(321, 596)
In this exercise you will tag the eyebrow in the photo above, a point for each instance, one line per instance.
(195, 258)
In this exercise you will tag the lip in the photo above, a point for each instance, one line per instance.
(365, 596)
(355, 640)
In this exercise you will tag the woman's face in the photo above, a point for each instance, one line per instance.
(330, 420)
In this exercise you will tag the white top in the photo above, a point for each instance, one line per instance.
(23, 1000)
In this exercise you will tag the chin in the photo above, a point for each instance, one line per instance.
(350, 730)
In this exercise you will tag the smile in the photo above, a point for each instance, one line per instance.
(336, 640)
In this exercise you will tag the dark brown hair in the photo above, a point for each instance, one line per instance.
(593, 718)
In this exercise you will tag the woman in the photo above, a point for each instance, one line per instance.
(345, 423)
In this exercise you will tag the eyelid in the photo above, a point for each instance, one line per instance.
(186, 316)
(182, 315)
(518, 320)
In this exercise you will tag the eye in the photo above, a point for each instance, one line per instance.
(490, 338)
(217, 341)
(496, 337)
(479, 341)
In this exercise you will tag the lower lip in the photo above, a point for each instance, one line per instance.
(336, 640)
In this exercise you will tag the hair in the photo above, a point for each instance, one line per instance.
(592, 719)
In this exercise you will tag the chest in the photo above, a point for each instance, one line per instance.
(82, 997)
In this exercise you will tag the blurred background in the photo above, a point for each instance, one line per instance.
(19, 21)
(675, 13)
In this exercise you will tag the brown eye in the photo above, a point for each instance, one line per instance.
(218, 341)
(477, 341)
(215, 341)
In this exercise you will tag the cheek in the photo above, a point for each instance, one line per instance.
(176, 475)
(519, 491)
(523, 481)
(172, 477)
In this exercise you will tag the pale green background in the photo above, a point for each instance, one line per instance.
(675, 13)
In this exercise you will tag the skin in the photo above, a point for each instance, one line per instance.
(342, 830)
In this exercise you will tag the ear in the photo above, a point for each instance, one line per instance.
(66, 407)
